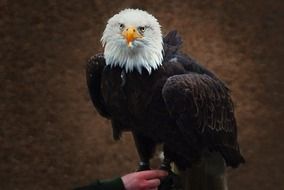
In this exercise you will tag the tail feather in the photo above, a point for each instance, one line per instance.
(232, 157)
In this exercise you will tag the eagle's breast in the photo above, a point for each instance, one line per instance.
(139, 98)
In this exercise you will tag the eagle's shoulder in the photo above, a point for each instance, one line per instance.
(177, 62)
(171, 44)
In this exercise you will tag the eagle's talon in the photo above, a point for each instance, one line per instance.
(165, 168)
(143, 166)
(166, 165)
(171, 182)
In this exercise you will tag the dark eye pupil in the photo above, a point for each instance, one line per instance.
(121, 25)
(142, 28)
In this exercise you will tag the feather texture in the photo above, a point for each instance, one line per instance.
(180, 104)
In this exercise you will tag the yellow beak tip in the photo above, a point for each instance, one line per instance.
(129, 44)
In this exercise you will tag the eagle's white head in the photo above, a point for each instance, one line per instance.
(132, 40)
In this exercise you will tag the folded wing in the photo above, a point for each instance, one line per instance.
(94, 70)
(203, 110)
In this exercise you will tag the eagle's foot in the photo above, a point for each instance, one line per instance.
(143, 166)
(171, 182)
(166, 165)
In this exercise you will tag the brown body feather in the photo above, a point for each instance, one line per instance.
(181, 104)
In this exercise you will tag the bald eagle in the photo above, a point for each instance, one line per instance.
(143, 83)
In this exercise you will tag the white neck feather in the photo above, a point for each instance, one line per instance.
(148, 56)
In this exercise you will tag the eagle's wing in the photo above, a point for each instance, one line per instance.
(94, 71)
(203, 110)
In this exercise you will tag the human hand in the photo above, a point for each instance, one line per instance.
(144, 180)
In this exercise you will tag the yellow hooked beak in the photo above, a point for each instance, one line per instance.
(130, 34)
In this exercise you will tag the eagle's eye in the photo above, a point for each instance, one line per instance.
(141, 29)
(121, 26)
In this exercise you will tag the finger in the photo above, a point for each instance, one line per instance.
(151, 174)
(153, 183)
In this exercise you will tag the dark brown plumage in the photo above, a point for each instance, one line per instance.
(181, 105)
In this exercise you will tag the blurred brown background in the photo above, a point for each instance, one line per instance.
(52, 138)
